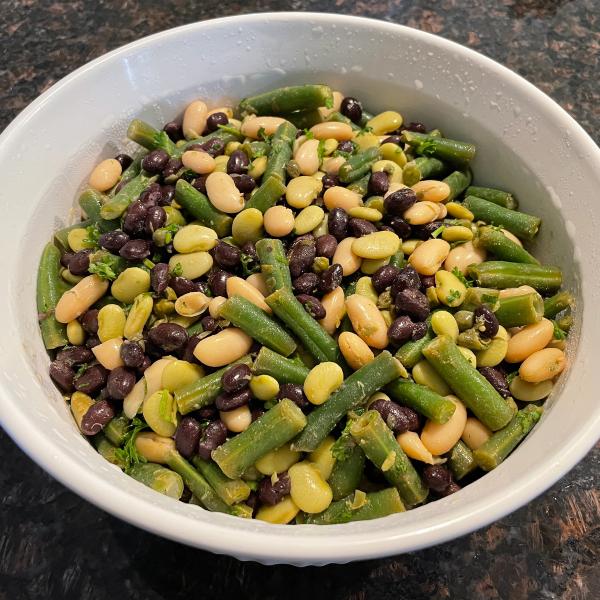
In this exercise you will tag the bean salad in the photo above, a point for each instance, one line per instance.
(300, 312)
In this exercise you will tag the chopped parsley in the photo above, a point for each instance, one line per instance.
(452, 296)
(92, 235)
(128, 453)
(461, 277)
(170, 231)
(81, 370)
(177, 270)
(329, 102)
(309, 134)
(321, 150)
(105, 266)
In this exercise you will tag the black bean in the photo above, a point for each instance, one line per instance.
(238, 162)
(244, 183)
(346, 146)
(214, 120)
(208, 323)
(329, 181)
(427, 281)
(452, 488)
(155, 218)
(436, 478)
(80, 262)
(401, 330)
(135, 250)
(497, 378)
(295, 393)
(168, 336)
(486, 322)
(408, 278)
(424, 232)
(352, 109)
(134, 222)
(301, 258)
(217, 280)
(360, 227)
(97, 417)
(75, 355)
(272, 493)
(212, 437)
(249, 249)
(400, 201)
(416, 126)
(200, 183)
(384, 227)
(131, 354)
(312, 305)
(337, 223)
(173, 130)
(113, 241)
(256, 413)
(62, 374)
(326, 245)
(159, 277)
(187, 436)
(401, 227)
(399, 419)
(145, 364)
(236, 378)
(307, 238)
(384, 277)
(89, 320)
(124, 160)
(182, 285)
(226, 401)
(306, 283)
(413, 303)
(167, 193)
(119, 383)
(379, 183)
(154, 162)
(207, 413)
(392, 139)
(151, 196)
(331, 278)
(419, 330)
(92, 341)
(66, 258)
(214, 146)
(91, 380)
(188, 350)
(226, 255)
(171, 168)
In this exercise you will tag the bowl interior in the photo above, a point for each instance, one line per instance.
(525, 144)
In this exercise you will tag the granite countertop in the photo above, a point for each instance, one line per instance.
(55, 545)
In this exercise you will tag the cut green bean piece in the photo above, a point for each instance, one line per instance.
(524, 226)
(361, 186)
(91, 202)
(468, 384)
(116, 430)
(281, 151)
(204, 391)
(271, 430)
(398, 260)
(338, 117)
(48, 293)
(266, 196)
(231, 491)
(478, 296)
(410, 353)
(255, 149)
(273, 264)
(380, 446)
(457, 181)
(489, 455)
(500, 275)
(314, 338)
(498, 197)
(353, 393)
(158, 478)
(452, 151)
(461, 461)
(347, 473)
(145, 135)
(558, 303)
(358, 165)
(357, 507)
(503, 248)
(257, 324)
(304, 119)
(423, 167)
(422, 399)
(516, 311)
(199, 206)
(287, 100)
(223, 135)
(116, 206)
(108, 451)
(283, 369)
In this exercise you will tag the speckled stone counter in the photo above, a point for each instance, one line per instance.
(55, 545)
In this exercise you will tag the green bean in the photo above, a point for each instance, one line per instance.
(558, 303)
(49, 291)
(271, 430)
(223, 135)
(489, 455)
(60, 237)
(116, 206)
(498, 197)
(304, 119)
(91, 202)
(281, 151)
(358, 165)
(199, 206)
(286, 100)
(145, 135)
(422, 399)
(452, 151)
(457, 181)
(380, 446)
(361, 186)
(479, 296)
(468, 384)
(423, 167)
(273, 264)
(410, 353)
(257, 324)
(398, 260)
(461, 461)
(231, 491)
(255, 149)
(516, 311)
(376, 505)
(521, 224)
(108, 451)
(266, 196)
(503, 248)
(500, 275)
(347, 473)
(314, 338)
(283, 369)
(158, 478)
(337, 117)
(116, 430)
(353, 393)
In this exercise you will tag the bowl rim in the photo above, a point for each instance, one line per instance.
(266, 542)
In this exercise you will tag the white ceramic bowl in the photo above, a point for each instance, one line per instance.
(525, 143)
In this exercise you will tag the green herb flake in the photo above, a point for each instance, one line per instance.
(309, 134)
(321, 150)
(452, 296)
(463, 279)
(177, 270)
(105, 266)
(128, 454)
(92, 235)
(329, 102)
(559, 334)
(81, 370)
